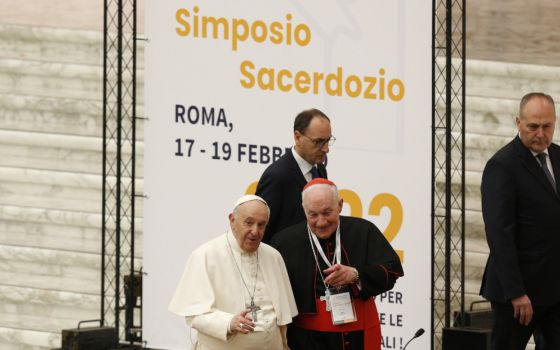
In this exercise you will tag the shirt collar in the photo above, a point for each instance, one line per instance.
(304, 165)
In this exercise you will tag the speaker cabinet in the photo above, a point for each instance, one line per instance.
(466, 338)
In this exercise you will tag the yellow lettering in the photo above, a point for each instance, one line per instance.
(302, 81)
(302, 28)
(400, 93)
(195, 22)
(281, 85)
(317, 77)
(215, 23)
(236, 36)
(387, 200)
(276, 33)
(348, 86)
(182, 21)
(252, 188)
(351, 198)
(337, 78)
(381, 84)
(256, 25)
(244, 67)
(289, 29)
(267, 73)
(368, 92)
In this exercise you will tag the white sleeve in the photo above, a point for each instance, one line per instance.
(214, 323)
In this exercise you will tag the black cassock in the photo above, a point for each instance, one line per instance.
(363, 247)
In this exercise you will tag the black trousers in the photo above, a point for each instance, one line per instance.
(509, 334)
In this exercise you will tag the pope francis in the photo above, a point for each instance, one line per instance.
(235, 290)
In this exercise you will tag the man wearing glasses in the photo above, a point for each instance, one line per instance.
(282, 182)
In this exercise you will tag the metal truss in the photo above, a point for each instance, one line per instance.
(448, 164)
(119, 135)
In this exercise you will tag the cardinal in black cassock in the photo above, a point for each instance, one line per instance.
(329, 251)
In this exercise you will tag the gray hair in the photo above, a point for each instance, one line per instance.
(333, 188)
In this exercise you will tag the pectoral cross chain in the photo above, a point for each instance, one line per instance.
(254, 308)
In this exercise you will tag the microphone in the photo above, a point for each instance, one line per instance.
(416, 335)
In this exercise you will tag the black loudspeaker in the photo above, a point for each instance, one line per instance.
(89, 338)
(479, 317)
(466, 338)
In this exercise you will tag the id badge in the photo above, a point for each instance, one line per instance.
(342, 307)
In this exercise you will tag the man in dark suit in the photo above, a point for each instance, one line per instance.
(521, 211)
(282, 182)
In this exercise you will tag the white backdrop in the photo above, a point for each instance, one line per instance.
(224, 81)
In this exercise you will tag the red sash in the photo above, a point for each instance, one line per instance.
(368, 322)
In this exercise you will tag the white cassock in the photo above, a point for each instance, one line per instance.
(211, 291)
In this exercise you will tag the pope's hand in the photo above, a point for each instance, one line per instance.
(242, 322)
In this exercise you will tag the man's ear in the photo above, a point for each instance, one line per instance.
(297, 137)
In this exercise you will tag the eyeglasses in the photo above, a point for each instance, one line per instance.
(321, 142)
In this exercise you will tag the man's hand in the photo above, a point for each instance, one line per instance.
(242, 322)
(339, 275)
(522, 309)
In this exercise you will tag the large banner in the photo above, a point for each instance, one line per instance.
(224, 81)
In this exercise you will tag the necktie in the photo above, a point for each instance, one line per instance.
(542, 159)
(314, 172)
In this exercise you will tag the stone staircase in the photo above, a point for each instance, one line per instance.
(51, 125)
(50, 173)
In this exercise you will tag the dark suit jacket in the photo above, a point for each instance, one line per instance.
(280, 186)
(521, 215)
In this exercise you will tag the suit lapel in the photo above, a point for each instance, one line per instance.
(294, 168)
(532, 165)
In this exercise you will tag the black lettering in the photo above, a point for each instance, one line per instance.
(252, 154)
(190, 114)
(222, 118)
(207, 118)
(265, 157)
(179, 113)
(241, 151)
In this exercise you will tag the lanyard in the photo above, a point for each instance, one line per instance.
(337, 249)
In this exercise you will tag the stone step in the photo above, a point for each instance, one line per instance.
(14, 339)
(76, 116)
(50, 197)
(45, 310)
(59, 152)
(51, 114)
(42, 216)
(56, 45)
(510, 80)
(54, 189)
(53, 79)
(56, 264)
(491, 116)
(50, 235)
